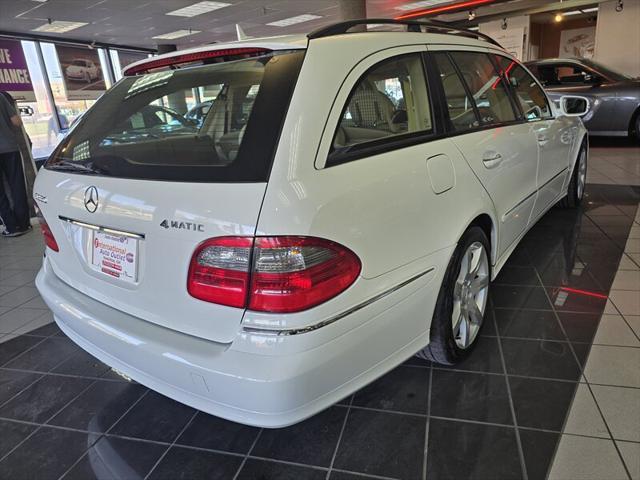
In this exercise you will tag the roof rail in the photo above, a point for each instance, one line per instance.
(430, 26)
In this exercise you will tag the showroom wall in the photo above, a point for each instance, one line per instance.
(514, 38)
(618, 36)
(545, 37)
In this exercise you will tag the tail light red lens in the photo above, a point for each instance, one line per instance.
(287, 274)
(49, 239)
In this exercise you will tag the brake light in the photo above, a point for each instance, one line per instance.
(49, 239)
(271, 274)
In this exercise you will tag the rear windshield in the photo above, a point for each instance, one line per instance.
(210, 123)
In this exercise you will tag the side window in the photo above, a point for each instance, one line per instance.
(487, 89)
(528, 93)
(462, 115)
(390, 99)
(571, 75)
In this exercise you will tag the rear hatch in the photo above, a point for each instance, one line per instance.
(137, 184)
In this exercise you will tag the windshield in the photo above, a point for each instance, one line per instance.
(144, 127)
(78, 63)
(606, 71)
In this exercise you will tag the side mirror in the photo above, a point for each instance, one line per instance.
(574, 106)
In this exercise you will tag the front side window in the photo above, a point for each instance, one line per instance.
(564, 74)
(390, 100)
(528, 93)
(143, 128)
(486, 87)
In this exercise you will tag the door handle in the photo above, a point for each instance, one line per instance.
(491, 159)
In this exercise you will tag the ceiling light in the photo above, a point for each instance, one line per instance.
(558, 17)
(423, 3)
(572, 12)
(59, 26)
(473, 29)
(293, 20)
(176, 34)
(589, 10)
(198, 9)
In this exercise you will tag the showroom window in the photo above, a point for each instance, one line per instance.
(462, 114)
(485, 86)
(528, 93)
(389, 100)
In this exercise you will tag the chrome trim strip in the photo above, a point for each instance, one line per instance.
(564, 170)
(330, 320)
(101, 228)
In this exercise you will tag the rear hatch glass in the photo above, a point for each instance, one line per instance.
(211, 123)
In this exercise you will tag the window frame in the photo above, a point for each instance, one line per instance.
(390, 143)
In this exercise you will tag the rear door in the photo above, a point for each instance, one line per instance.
(136, 186)
(487, 128)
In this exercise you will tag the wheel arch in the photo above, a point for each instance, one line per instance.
(632, 122)
(488, 226)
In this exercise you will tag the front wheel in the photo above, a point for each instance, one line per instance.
(578, 181)
(462, 301)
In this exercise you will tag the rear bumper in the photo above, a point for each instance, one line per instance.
(258, 380)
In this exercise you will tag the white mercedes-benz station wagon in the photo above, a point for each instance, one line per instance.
(342, 206)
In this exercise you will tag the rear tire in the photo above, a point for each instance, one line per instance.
(462, 301)
(578, 181)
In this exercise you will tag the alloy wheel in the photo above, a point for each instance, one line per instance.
(470, 295)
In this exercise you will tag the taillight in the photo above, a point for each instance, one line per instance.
(287, 274)
(49, 239)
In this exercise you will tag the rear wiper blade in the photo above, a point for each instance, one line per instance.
(75, 167)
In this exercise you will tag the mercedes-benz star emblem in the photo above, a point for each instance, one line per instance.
(91, 199)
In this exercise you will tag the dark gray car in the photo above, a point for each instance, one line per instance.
(614, 97)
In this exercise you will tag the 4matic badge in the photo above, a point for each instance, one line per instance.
(196, 227)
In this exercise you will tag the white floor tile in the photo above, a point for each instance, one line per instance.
(631, 456)
(621, 409)
(627, 280)
(613, 330)
(584, 458)
(584, 418)
(627, 264)
(628, 303)
(17, 318)
(613, 366)
(633, 245)
(634, 322)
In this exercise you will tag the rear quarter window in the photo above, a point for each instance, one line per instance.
(145, 126)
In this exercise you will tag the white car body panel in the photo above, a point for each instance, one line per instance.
(400, 211)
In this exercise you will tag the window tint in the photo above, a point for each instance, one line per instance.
(390, 99)
(564, 74)
(142, 127)
(486, 87)
(461, 113)
(528, 93)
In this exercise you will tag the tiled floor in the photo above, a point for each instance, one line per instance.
(552, 389)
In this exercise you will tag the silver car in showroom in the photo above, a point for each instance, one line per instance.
(613, 96)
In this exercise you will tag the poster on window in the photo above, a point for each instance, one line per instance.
(14, 74)
(81, 71)
(578, 42)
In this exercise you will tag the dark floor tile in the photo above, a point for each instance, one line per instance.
(504, 296)
(16, 346)
(83, 364)
(542, 404)
(460, 450)
(470, 396)
(12, 382)
(11, 434)
(519, 258)
(576, 300)
(582, 352)
(514, 275)
(337, 475)
(46, 331)
(579, 327)
(117, 459)
(538, 449)
(379, 443)
(538, 324)
(207, 431)
(44, 398)
(155, 417)
(186, 463)
(255, 469)
(403, 389)
(485, 357)
(47, 454)
(575, 276)
(46, 355)
(311, 442)
(540, 358)
(99, 407)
